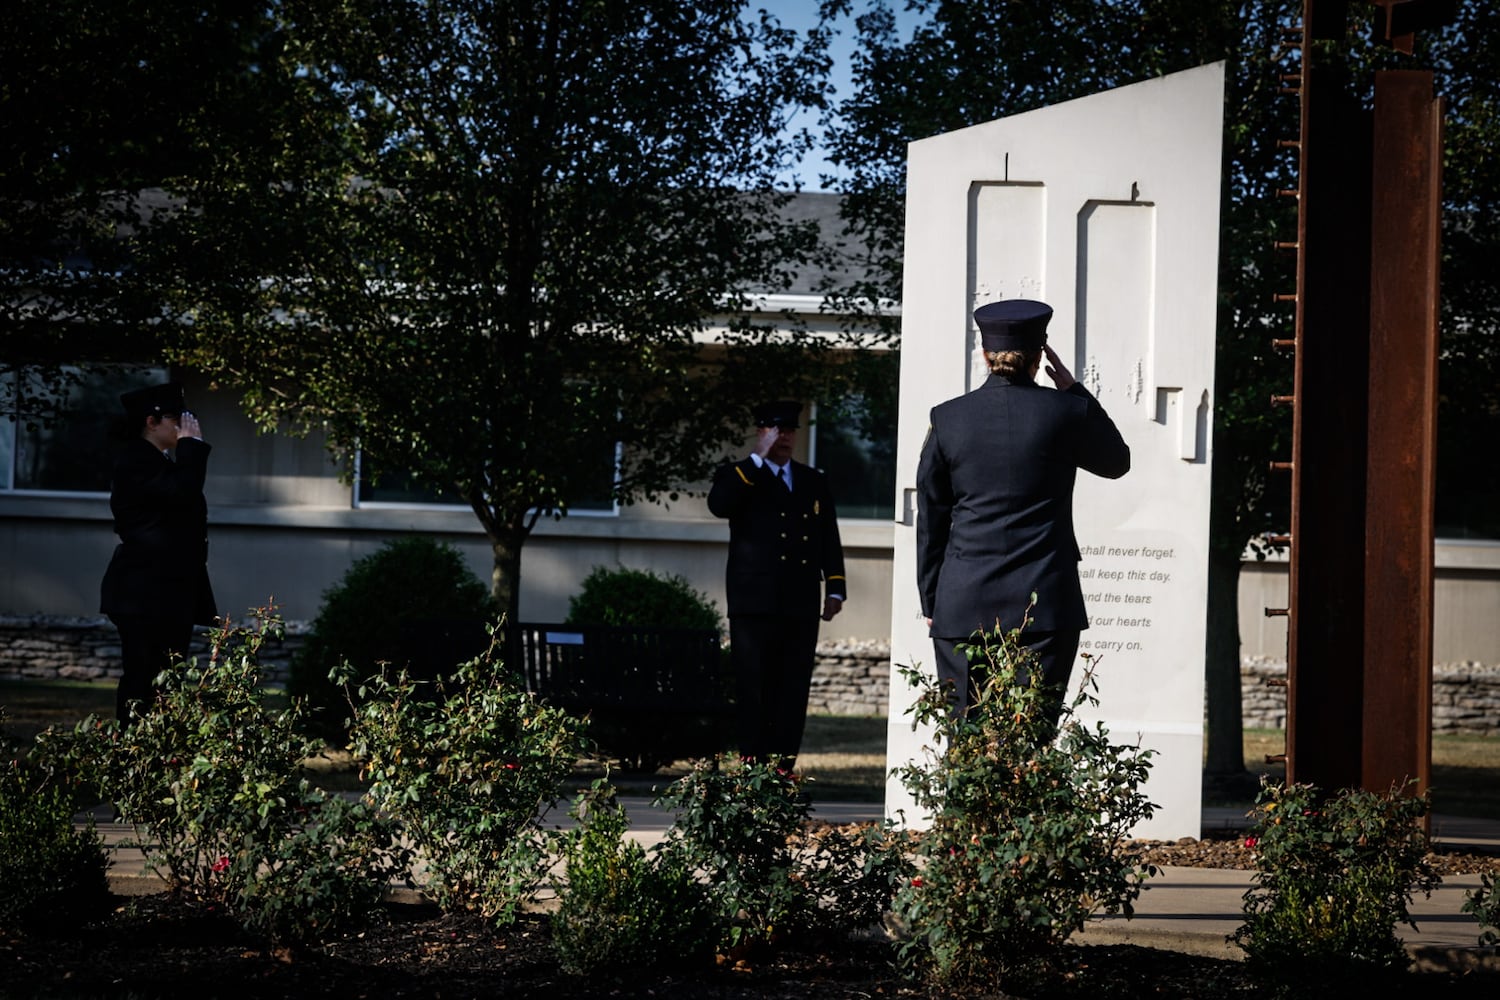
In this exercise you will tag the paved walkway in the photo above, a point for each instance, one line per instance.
(1189, 910)
(1195, 909)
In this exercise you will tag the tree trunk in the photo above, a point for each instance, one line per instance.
(1226, 729)
(505, 578)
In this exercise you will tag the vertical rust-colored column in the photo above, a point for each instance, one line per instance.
(1400, 485)
(1325, 631)
(1359, 646)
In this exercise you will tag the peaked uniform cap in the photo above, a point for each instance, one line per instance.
(1013, 325)
(784, 413)
(153, 401)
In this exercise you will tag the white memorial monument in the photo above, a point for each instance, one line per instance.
(1107, 208)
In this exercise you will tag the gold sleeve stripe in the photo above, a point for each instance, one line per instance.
(835, 578)
(741, 473)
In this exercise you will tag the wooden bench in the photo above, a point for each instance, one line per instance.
(653, 695)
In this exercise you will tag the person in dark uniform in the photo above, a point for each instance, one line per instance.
(786, 568)
(995, 502)
(156, 587)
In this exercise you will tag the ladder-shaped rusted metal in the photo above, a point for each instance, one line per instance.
(1364, 403)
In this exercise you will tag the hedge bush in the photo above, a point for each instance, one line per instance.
(622, 596)
(392, 606)
(52, 875)
(625, 598)
(469, 771)
(1334, 876)
(1029, 829)
(620, 909)
(212, 779)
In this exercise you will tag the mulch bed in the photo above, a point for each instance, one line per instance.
(158, 946)
(1229, 851)
(163, 946)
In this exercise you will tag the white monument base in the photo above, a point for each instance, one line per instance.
(1107, 208)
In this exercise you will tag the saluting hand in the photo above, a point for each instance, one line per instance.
(1056, 370)
(188, 426)
(765, 437)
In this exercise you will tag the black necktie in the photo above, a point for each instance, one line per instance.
(781, 474)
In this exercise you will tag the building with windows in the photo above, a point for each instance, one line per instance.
(284, 528)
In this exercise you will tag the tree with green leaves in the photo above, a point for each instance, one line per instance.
(507, 247)
(969, 62)
(100, 101)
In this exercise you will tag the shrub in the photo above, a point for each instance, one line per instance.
(212, 780)
(51, 875)
(742, 827)
(620, 910)
(325, 878)
(1028, 827)
(852, 873)
(1333, 876)
(1484, 903)
(733, 825)
(469, 770)
(636, 597)
(638, 738)
(376, 613)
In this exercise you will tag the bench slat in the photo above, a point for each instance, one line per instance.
(581, 668)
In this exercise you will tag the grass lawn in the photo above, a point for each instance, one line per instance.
(843, 756)
(1465, 769)
(31, 706)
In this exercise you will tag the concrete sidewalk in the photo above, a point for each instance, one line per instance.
(1191, 910)
(1194, 910)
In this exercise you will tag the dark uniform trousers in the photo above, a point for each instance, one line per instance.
(773, 661)
(1055, 653)
(784, 552)
(148, 645)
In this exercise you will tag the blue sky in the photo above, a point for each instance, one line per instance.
(802, 15)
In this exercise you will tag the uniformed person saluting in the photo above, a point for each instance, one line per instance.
(156, 587)
(785, 570)
(995, 502)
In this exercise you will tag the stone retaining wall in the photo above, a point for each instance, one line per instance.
(1465, 696)
(851, 677)
(88, 649)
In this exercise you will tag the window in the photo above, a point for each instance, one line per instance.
(397, 489)
(402, 490)
(68, 449)
(856, 446)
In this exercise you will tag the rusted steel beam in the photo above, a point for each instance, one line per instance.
(1398, 21)
(1325, 628)
(1359, 609)
(1324, 19)
(1400, 483)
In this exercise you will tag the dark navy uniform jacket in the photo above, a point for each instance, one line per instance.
(995, 504)
(162, 520)
(783, 544)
